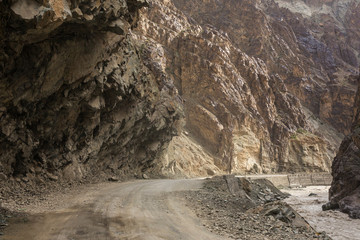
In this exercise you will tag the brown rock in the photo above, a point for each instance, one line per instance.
(77, 96)
(3, 177)
(288, 36)
(345, 188)
(113, 179)
(242, 110)
(76, 12)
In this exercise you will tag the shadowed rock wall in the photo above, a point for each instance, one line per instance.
(345, 188)
(76, 96)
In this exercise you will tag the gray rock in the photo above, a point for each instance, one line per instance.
(329, 206)
(268, 198)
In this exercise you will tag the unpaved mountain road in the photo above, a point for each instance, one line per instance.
(131, 210)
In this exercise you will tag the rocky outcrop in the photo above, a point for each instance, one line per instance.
(345, 188)
(77, 95)
(246, 110)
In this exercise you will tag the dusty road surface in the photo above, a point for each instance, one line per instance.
(132, 210)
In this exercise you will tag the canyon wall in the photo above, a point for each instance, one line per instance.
(345, 188)
(176, 88)
(77, 97)
(312, 47)
(265, 87)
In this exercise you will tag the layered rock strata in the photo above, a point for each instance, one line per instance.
(76, 95)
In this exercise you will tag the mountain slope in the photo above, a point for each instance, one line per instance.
(262, 92)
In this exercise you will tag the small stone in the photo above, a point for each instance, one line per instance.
(76, 12)
(273, 211)
(113, 179)
(3, 177)
(52, 177)
(25, 179)
(268, 198)
(96, 103)
(88, 17)
(329, 206)
(66, 93)
(145, 176)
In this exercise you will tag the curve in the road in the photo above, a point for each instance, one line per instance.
(144, 210)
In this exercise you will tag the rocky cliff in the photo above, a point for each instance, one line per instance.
(266, 88)
(76, 96)
(177, 88)
(312, 45)
(345, 188)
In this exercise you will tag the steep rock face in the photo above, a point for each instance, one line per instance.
(345, 188)
(238, 112)
(310, 45)
(327, 34)
(265, 86)
(76, 96)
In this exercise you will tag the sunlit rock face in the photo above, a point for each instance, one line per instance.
(312, 45)
(266, 88)
(345, 188)
(76, 96)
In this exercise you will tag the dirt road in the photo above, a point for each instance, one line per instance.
(132, 210)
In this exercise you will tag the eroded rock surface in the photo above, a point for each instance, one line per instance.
(76, 95)
(263, 91)
(247, 86)
(345, 188)
(311, 46)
